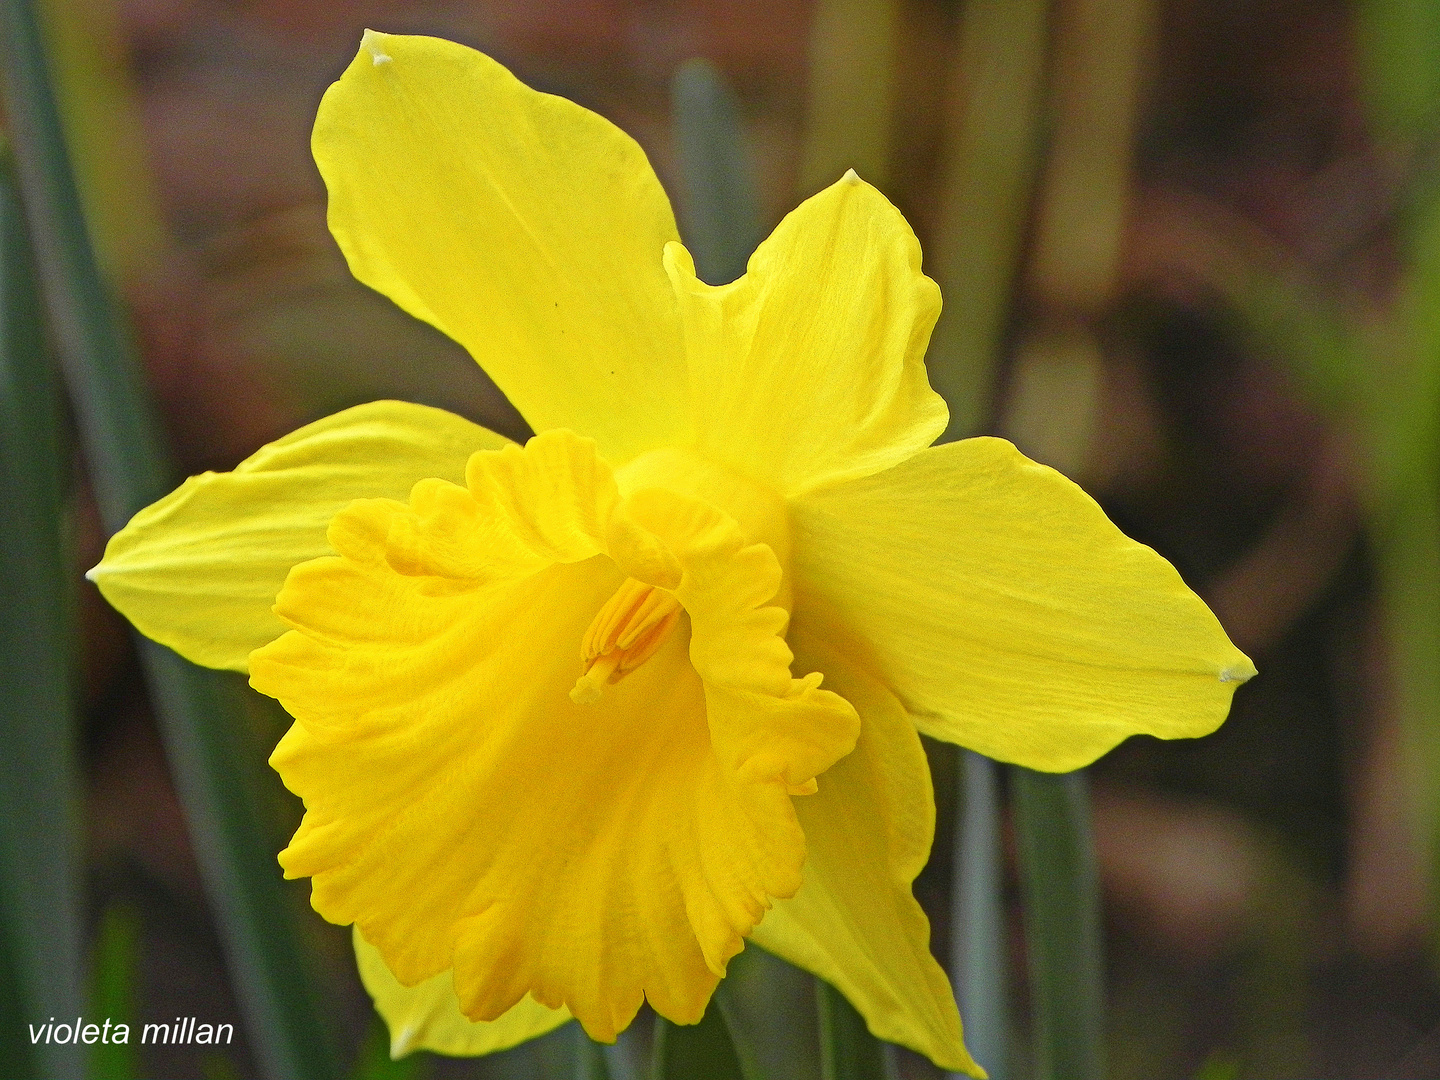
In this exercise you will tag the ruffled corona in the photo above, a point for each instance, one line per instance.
(427, 670)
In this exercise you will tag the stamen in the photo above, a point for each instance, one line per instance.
(626, 632)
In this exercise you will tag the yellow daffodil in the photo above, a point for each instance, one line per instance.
(561, 730)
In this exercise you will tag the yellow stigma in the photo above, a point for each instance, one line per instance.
(632, 625)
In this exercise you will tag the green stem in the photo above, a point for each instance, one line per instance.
(978, 917)
(719, 209)
(213, 766)
(1061, 891)
(847, 1049)
(589, 1057)
(40, 901)
(127, 462)
(117, 418)
(117, 969)
(15, 1048)
(769, 1007)
(700, 1051)
(1407, 543)
(991, 161)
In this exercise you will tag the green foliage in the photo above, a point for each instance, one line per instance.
(993, 152)
(700, 1051)
(718, 206)
(1381, 375)
(219, 1067)
(112, 995)
(589, 1057)
(977, 922)
(14, 1046)
(374, 1061)
(40, 920)
(770, 1008)
(1401, 62)
(1060, 885)
(847, 1049)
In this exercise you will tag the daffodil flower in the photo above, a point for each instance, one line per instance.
(575, 719)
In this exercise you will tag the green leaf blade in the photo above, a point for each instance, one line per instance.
(41, 910)
(1061, 889)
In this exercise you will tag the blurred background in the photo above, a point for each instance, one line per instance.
(1190, 256)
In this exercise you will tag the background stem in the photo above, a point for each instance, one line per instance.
(978, 936)
(1062, 922)
(41, 910)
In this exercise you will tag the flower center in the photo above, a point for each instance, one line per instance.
(628, 630)
(758, 510)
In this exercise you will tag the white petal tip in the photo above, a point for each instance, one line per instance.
(1236, 674)
(91, 573)
(402, 1042)
(371, 42)
(850, 177)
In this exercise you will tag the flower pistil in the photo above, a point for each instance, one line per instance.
(627, 631)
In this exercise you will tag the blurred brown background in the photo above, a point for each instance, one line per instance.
(1156, 224)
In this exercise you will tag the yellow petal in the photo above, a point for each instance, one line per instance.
(1006, 611)
(810, 368)
(466, 814)
(855, 922)
(428, 1016)
(199, 570)
(526, 227)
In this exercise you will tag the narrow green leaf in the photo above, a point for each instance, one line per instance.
(589, 1057)
(719, 210)
(847, 1049)
(39, 796)
(197, 709)
(117, 418)
(700, 1051)
(117, 966)
(978, 937)
(1405, 434)
(214, 767)
(991, 161)
(769, 1007)
(1061, 892)
(1407, 534)
(375, 1062)
(632, 1054)
(1397, 379)
(15, 1048)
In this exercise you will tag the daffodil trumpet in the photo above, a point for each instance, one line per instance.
(576, 719)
